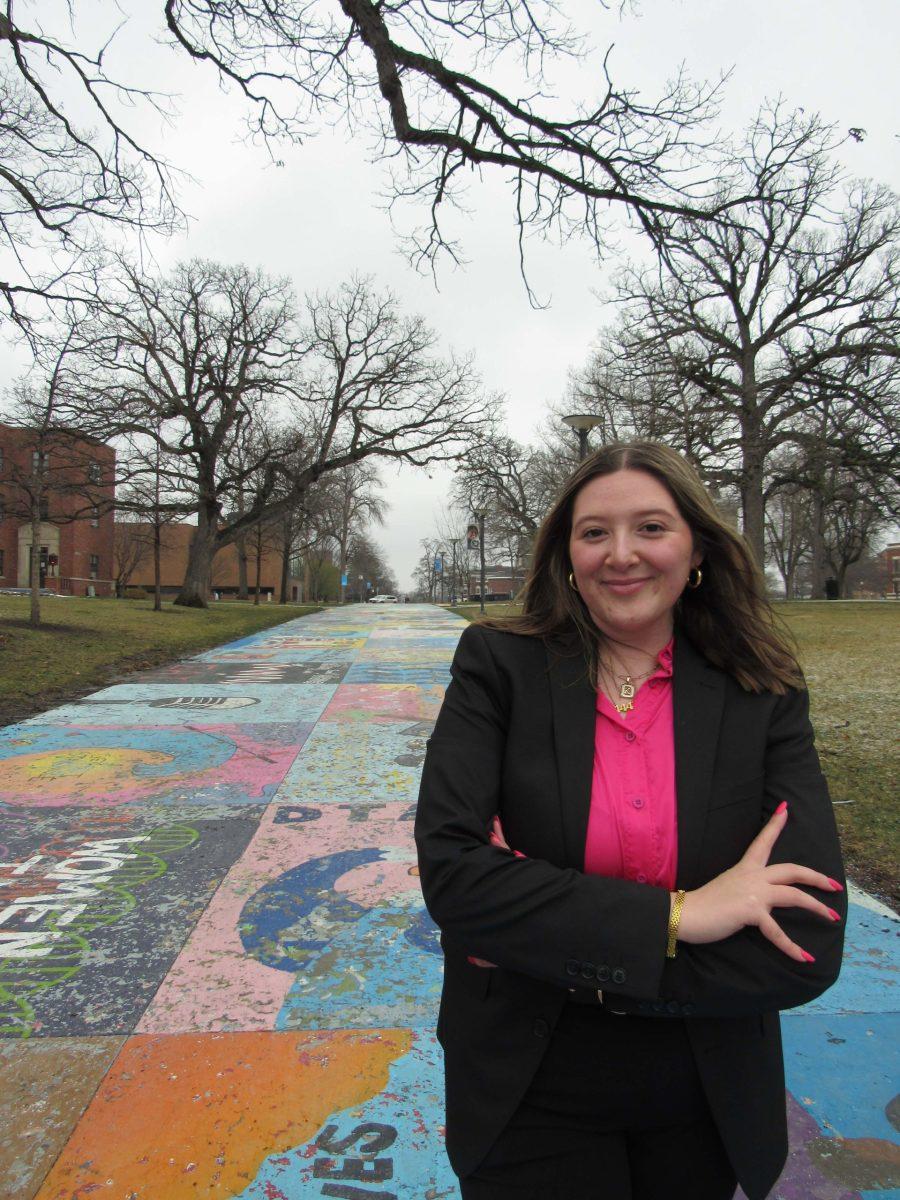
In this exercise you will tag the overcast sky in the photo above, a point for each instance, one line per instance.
(319, 217)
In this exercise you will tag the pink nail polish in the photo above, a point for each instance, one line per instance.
(781, 807)
(834, 916)
(807, 957)
(835, 886)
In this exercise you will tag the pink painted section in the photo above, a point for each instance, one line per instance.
(378, 882)
(214, 985)
(384, 702)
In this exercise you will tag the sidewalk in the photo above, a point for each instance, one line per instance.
(217, 978)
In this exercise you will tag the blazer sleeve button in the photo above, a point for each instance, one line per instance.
(541, 1028)
(673, 1007)
(588, 971)
(618, 975)
(573, 966)
(603, 974)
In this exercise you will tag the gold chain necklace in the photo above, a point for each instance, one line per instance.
(627, 687)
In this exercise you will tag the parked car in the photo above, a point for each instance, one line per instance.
(384, 599)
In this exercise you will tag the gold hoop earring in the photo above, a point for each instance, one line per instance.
(695, 577)
(572, 584)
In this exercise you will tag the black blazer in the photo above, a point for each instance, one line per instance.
(515, 736)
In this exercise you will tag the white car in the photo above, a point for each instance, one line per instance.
(385, 599)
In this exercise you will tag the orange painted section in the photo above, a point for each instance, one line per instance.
(191, 1115)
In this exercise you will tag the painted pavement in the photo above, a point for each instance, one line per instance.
(217, 978)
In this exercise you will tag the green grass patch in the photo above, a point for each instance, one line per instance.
(849, 652)
(83, 645)
(473, 611)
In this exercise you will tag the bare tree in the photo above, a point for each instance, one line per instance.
(518, 483)
(348, 504)
(366, 560)
(799, 285)
(60, 179)
(638, 391)
(200, 360)
(854, 520)
(132, 547)
(191, 363)
(426, 573)
(427, 82)
(788, 526)
(54, 473)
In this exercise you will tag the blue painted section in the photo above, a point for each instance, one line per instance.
(355, 966)
(870, 977)
(180, 751)
(845, 1071)
(171, 704)
(389, 1146)
(399, 673)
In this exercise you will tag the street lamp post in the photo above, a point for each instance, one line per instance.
(479, 516)
(581, 423)
(453, 576)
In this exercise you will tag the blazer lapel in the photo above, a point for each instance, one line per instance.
(698, 698)
(574, 714)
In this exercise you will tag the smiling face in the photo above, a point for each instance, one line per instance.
(631, 551)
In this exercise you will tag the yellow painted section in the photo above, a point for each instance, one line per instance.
(57, 772)
(191, 1115)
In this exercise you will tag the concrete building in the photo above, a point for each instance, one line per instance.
(76, 531)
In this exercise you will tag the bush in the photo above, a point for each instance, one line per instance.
(135, 593)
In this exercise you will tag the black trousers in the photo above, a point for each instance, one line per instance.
(616, 1111)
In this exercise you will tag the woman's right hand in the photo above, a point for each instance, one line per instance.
(747, 893)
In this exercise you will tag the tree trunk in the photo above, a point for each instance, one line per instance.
(241, 545)
(197, 578)
(287, 539)
(157, 575)
(259, 551)
(753, 456)
(817, 545)
(35, 573)
(753, 506)
(481, 557)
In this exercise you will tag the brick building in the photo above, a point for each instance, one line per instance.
(890, 559)
(175, 541)
(75, 499)
(500, 582)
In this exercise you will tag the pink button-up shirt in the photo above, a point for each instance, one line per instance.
(633, 826)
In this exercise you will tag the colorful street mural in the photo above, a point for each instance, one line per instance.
(217, 977)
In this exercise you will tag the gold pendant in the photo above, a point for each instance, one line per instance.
(626, 691)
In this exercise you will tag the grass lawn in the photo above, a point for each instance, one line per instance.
(849, 652)
(84, 644)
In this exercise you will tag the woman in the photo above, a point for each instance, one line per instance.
(609, 1016)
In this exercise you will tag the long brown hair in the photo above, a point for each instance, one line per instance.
(728, 617)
